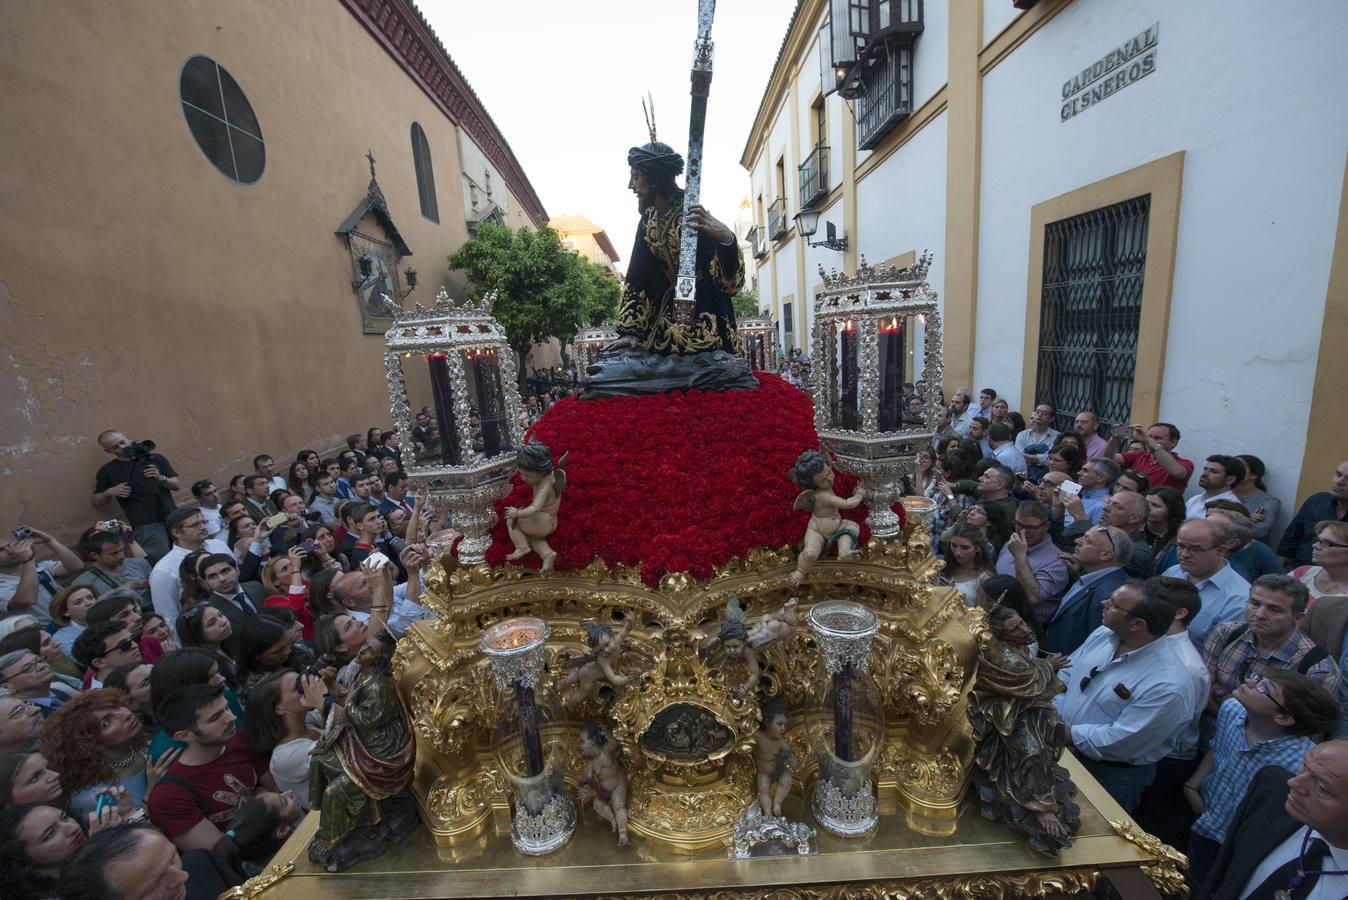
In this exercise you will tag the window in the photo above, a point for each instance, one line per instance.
(788, 326)
(1091, 310)
(421, 158)
(221, 120)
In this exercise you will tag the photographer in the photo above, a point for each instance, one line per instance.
(142, 481)
(27, 585)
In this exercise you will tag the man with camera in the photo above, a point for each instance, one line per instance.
(28, 584)
(143, 482)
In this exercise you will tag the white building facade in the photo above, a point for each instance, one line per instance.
(1134, 206)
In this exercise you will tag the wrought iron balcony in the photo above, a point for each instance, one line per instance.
(777, 221)
(814, 176)
(860, 31)
(758, 242)
(886, 95)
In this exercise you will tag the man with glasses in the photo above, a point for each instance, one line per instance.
(103, 647)
(1201, 545)
(28, 677)
(1269, 720)
(1328, 506)
(188, 530)
(1098, 557)
(1268, 637)
(1033, 560)
(1127, 694)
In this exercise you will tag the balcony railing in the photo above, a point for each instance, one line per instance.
(777, 222)
(814, 176)
(886, 94)
(758, 242)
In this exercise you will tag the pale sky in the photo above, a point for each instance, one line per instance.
(564, 82)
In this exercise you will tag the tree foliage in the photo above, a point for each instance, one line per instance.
(745, 303)
(542, 289)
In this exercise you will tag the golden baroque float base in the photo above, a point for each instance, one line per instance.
(922, 660)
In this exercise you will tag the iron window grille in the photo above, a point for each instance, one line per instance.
(1091, 309)
(222, 120)
(757, 242)
(421, 159)
(886, 96)
(814, 176)
(777, 221)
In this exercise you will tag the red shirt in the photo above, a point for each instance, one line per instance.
(299, 604)
(222, 785)
(1146, 464)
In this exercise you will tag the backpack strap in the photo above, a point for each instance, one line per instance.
(1310, 659)
(175, 779)
(1235, 635)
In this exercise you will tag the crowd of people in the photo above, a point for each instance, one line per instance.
(1200, 643)
(163, 681)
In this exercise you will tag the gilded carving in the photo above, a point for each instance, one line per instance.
(1167, 870)
(450, 803)
(926, 682)
(258, 884)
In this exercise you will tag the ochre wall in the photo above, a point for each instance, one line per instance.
(142, 290)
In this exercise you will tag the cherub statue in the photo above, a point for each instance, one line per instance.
(530, 527)
(605, 782)
(774, 626)
(733, 637)
(773, 759)
(813, 473)
(1020, 737)
(597, 665)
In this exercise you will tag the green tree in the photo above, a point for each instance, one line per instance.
(542, 289)
(745, 303)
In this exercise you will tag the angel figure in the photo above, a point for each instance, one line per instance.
(813, 473)
(773, 759)
(597, 665)
(774, 626)
(733, 637)
(604, 782)
(530, 527)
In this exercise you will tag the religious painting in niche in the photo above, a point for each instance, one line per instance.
(686, 733)
(374, 269)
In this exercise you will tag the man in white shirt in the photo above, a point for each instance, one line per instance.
(1201, 546)
(187, 530)
(1128, 694)
(354, 591)
(208, 501)
(1290, 836)
(265, 466)
(1218, 479)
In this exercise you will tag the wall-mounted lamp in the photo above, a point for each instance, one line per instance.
(411, 274)
(807, 223)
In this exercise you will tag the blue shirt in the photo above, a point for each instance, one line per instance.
(1093, 503)
(1234, 763)
(1223, 595)
(1009, 456)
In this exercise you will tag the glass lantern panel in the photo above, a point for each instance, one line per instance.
(844, 375)
(436, 443)
(491, 436)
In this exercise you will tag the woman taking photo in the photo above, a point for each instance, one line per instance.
(324, 555)
(966, 560)
(279, 703)
(35, 839)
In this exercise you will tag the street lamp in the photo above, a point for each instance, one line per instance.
(807, 223)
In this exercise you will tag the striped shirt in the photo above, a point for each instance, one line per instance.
(1231, 661)
(1234, 763)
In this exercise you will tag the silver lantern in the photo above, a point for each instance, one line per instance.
(587, 344)
(452, 363)
(874, 331)
(759, 335)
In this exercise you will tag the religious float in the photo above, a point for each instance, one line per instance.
(687, 634)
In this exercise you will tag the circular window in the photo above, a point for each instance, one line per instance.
(222, 120)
